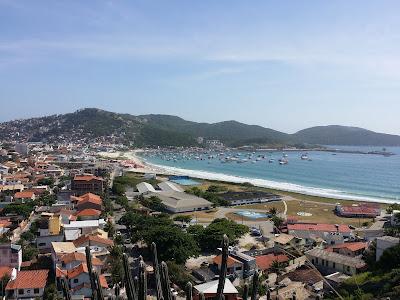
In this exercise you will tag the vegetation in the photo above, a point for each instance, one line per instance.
(210, 238)
(174, 244)
(213, 197)
(22, 209)
(382, 280)
(154, 203)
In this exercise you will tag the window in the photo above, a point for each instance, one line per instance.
(20, 292)
(76, 280)
(334, 265)
(28, 291)
(42, 244)
(36, 291)
(316, 260)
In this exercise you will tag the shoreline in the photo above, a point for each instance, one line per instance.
(262, 183)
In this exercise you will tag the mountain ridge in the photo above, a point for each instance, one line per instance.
(93, 124)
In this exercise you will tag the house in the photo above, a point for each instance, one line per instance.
(59, 249)
(92, 241)
(88, 214)
(330, 262)
(234, 266)
(24, 196)
(242, 198)
(71, 260)
(27, 285)
(209, 290)
(330, 233)
(87, 183)
(11, 255)
(383, 243)
(88, 201)
(264, 262)
(350, 249)
(86, 226)
(286, 241)
(79, 280)
(308, 276)
(363, 210)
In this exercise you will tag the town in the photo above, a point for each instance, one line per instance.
(78, 224)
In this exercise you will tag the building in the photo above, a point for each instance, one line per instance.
(24, 196)
(178, 202)
(10, 256)
(209, 290)
(383, 243)
(264, 262)
(88, 214)
(286, 242)
(330, 262)
(87, 183)
(234, 266)
(86, 226)
(242, 198)
(364, 210)
(144, 188)
(27, 285)
(330, 233)
(168, 186)
(349, 249)
(87, 201)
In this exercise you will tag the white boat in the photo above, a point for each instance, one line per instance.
(271, 160)
(304, 156)
(283, 161)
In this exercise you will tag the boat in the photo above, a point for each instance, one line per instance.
(283, 161)
(304, 156)
(271, 160)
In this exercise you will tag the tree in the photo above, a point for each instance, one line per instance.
(110, 228)
(172, 243)
(183, 218)
(278, 222)
(115, 259)
(390, 259)
(154, 203)
(50, 292)
(273, 211)
(178, 274)
(210, 237)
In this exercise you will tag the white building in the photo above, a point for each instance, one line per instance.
(145, 187)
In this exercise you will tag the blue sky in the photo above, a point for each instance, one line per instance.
(287, 65)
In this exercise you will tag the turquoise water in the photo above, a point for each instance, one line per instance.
(347, 176)
(252, 215)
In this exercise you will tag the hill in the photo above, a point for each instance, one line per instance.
(343, 135)
(91, 124)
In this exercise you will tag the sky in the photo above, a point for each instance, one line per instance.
(286, 65)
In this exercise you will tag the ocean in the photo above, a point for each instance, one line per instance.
(341, 175)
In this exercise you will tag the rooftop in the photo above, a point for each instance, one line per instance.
(212, 286)
(337, 258)
(29, 279)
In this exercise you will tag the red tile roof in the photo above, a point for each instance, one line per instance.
(87, 177)
(88, 213)
(231, 261)
(78, 270)
(89, 197)
(78, 256)
(319, 227)
(33, 279)
(354, 246)
(5, 271)
(24, 195)
(264, 262)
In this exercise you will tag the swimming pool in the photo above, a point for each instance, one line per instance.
(183, 180)
(252, 214)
